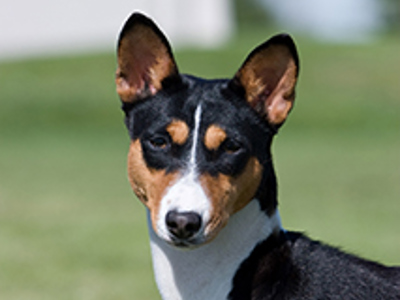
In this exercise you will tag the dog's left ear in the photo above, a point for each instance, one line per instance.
(268, 78)
(145, 59)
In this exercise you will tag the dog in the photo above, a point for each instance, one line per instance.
(200, 161)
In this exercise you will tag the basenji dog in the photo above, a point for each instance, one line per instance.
(200, 161)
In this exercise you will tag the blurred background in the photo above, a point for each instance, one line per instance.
(70, 227)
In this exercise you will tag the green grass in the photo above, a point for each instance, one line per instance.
(70, 227)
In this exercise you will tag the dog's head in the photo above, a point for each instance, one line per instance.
(200, 149)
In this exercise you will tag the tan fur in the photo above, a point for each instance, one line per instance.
(229, 195)
(148, 184)
(214, 137)
(179, 131)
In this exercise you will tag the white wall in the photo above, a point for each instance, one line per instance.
(43, 27)
(345, 21)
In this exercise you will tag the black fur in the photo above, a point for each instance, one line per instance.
(291, 266)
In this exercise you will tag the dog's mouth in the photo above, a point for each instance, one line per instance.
(182, 239)
(186, 243)
(202, 237)
(189, 242)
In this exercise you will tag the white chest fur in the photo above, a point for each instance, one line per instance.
(207, 272)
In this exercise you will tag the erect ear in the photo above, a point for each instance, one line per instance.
(268, 78)
(145, 59)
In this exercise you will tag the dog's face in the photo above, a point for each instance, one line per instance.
(200, 149)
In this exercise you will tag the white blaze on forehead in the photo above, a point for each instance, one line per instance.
(197, 120)
(186, 195)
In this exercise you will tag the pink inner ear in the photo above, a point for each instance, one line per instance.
(134, 77)
(144, 62)
(278, 110)
(280, 102)
(269, 78)
(140, 76)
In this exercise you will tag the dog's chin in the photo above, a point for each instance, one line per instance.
(186, 244)
(195, 242)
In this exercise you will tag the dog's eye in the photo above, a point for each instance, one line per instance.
(159, 142)
(231, 146)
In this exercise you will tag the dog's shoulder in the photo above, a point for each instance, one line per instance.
(292, 266)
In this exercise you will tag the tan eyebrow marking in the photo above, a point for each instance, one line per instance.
(214, 137)
(179, 131)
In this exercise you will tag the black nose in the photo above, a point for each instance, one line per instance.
(183, 225)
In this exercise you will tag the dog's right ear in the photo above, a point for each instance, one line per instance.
(145, 59)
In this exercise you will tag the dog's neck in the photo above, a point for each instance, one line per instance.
(207, 272)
